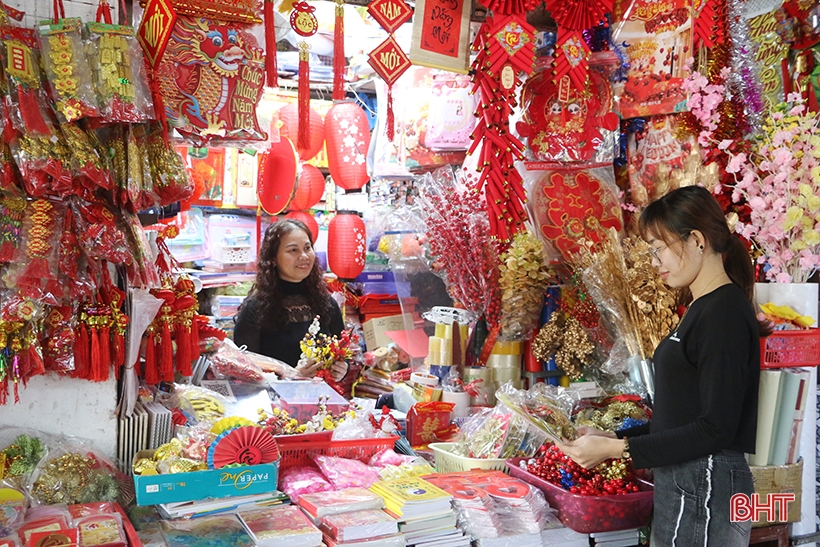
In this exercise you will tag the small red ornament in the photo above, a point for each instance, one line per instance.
(390, 62)
(347, 245)
(302, 20)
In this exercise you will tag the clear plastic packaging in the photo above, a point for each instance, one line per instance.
(67, 70)
(119, 74)
(229, 363)
(73, 472)
(298, 481)
(345, 473)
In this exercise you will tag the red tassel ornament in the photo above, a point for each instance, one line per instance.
(151, 371)
(271, 66)
(303, 138)
(339, 52)
(82, 348)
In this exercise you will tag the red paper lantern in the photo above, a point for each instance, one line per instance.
(289, 116)
(308, 220)
(309, 189)
(277, 177)
(347, 245)
(348, 138)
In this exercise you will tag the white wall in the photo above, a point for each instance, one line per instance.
(52, 403)
(56, 404)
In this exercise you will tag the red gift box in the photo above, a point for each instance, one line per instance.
(429, 423)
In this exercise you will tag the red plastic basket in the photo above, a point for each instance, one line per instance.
(592, 514)
(300, 451)
(790, 348)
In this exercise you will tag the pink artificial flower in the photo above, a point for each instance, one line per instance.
(725, 143)
(736, 162)
(757, 202)
(794, 97)
(783, 277)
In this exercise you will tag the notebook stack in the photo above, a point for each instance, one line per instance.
(370, 528)
(322, 504)
(284, 526)
(352, 517)
(424, 511)
(209, 506)
(497, 510)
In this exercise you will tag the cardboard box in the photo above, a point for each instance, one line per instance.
(197, 485)
(375, 329)
(777, 479)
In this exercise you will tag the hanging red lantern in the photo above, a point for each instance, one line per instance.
(289, 116)
(348, 137)
(347, 245)
(277, 177)
(309, 189)
(308, 220)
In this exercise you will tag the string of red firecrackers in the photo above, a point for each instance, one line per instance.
(388, 59)
(571, 51)
(339, 52)
(506, 49)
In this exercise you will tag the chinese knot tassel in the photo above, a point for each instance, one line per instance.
(303, 138)
(339, 53)
(183, 357)
(81, 352)
(166, 355)
(271, 68)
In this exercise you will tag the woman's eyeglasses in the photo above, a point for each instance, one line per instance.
(656, 251)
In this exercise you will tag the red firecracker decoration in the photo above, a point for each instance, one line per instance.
(571, 51)
(347, 245)
(289, 115)
(304, 23)
(347, 133)
(308, 220)
(506, 47)
(309, 190)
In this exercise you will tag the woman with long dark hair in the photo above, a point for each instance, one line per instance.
(706, 379)
(289, 292)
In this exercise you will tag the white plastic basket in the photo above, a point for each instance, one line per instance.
(447, 462)
(232, 254)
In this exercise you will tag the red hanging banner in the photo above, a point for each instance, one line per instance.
(390, 14)
(441, 37)
(155, 30)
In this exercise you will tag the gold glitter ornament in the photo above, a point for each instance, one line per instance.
(522, 281)
(74, 478)
(565, 339)
(615, 469)
(171, 449)
(143, 466)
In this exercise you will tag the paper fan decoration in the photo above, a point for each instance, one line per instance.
(246, 445)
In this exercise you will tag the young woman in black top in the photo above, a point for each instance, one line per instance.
(707, 372)
(289, 292)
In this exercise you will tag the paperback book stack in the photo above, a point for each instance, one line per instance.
(424, 511)
(368, 528)
(322, 504)
(284, 526)
(210, 506)
(497, 510)
(352, 517)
